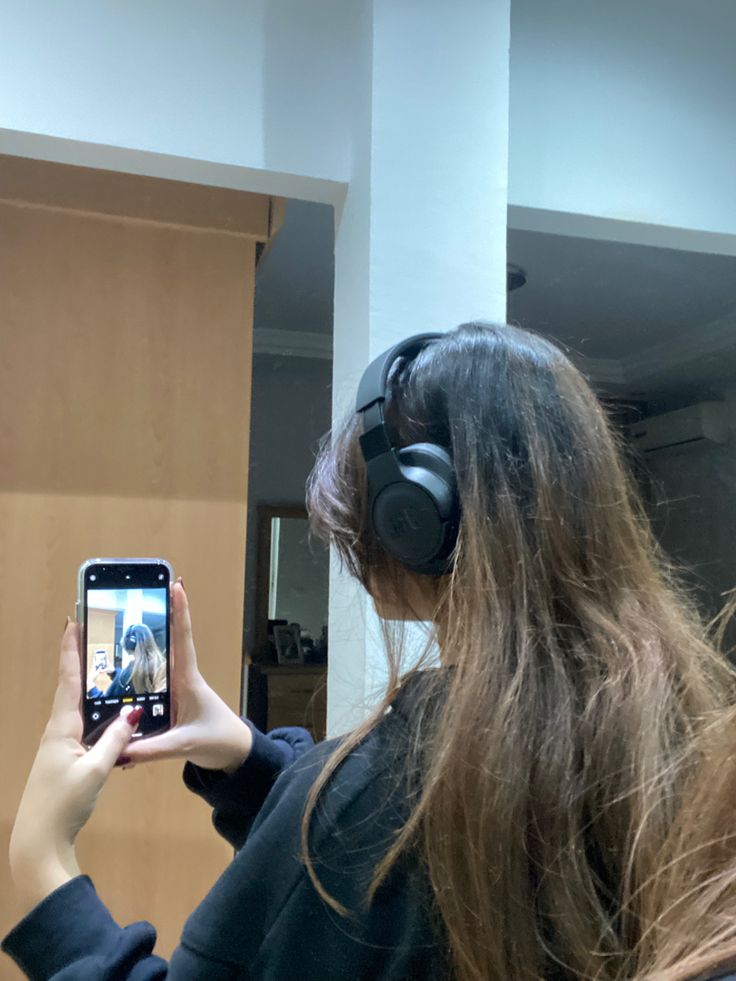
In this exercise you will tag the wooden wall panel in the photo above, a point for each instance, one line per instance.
(124, 411)
(115, 195)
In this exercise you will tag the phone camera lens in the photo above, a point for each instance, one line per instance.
(160, 577)
(93, 577)
(127, 577)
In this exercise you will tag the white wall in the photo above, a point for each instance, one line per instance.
(421, 243)
(404, 101)
(260, 84)
(625, 110)
(181, 78)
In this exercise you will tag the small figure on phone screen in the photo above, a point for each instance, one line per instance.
(145, 672)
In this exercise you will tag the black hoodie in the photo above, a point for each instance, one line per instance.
(263, 919)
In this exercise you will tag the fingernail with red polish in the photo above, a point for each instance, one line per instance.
(134, 716)
(122, 761)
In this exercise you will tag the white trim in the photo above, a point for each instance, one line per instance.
(128, 160)
(598, 227)
(292, 343)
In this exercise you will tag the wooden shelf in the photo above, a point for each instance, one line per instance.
(288, 695)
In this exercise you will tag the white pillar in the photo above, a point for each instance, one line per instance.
(421, 240)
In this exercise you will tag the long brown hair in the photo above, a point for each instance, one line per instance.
(149, 666)
(583, 676)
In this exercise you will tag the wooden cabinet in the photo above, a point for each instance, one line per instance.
(126, 311)
(289, 695)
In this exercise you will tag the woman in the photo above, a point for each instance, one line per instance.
(531, 807)
(146, 671)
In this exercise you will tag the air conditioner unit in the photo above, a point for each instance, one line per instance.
(701, 423)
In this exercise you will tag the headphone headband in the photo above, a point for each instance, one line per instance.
(371, 397)
(413, 500)
(372, 386)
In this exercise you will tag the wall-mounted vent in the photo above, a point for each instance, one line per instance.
(696, 424)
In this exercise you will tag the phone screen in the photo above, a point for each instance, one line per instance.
(126, 644)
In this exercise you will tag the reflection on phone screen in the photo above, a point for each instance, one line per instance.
(126, 645)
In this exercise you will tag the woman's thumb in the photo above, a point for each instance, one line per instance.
(181, 630)
(105, 752)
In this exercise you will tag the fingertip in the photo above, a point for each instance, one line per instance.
(132, 714)
(180, 602)
(69, 630)
(70, 635)
(69, 652)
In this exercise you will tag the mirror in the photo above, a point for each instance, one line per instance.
(292, 589)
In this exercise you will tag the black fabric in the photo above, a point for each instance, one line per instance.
(237, 798)
(263, 920)
(121, 684)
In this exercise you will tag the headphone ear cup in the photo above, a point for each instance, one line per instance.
(430, 467)
(415, 518)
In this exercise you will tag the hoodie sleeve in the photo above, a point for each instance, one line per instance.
(236, 798)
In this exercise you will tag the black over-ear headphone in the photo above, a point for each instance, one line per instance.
(413, 503)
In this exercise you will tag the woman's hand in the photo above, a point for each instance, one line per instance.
(63, 785)
(206, 730)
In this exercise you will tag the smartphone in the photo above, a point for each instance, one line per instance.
(124, 609)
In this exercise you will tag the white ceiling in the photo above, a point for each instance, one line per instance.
(609, 298)
(643, 321)
(648, 321)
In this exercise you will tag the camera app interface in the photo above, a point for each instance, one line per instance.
(127, 651)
